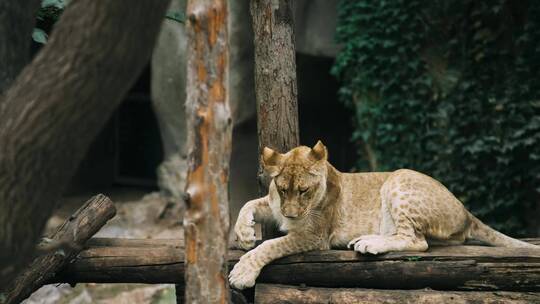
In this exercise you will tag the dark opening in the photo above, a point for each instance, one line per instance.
(321, 115)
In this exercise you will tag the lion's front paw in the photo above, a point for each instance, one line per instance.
(245, 233)
(243, 276)
(374, 244)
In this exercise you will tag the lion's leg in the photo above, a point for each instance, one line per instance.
(253, 211)
(250, 264)
(400, 230)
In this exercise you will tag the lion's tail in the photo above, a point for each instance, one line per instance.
(482, 232)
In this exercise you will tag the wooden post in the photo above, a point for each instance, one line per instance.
(275, 82)
(206, 221)
(67, 241)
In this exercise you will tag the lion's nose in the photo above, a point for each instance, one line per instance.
(289, 212)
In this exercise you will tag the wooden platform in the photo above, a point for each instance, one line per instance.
(444, 268)
(277, 294)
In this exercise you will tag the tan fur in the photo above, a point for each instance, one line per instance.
(320, 207)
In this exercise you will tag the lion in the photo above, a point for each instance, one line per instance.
(321, 208)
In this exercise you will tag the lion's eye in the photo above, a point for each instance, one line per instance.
(303, 190)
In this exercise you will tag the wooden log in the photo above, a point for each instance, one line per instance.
(209, 128)
(275, 83)
(449, 268)
(69, 240)
(276, 294)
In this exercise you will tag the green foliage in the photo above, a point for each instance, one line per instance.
(39, 36)
(51, 10)
(47, 15)
(176, 16)
(59, 4)
(449, 88)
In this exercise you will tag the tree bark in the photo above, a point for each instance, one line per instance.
(57, 105)
(70, 237)
(17, 19)
(206, 220)
(451, 268)
(275, 83)
(275, 294)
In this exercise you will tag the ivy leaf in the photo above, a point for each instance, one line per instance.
(39, 36)
(179, 17)
(59, 4)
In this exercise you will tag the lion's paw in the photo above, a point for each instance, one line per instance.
(245, 233)
(243, 276)
(374, 244)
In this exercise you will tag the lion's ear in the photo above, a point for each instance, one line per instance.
(319, 152)
(271, 161)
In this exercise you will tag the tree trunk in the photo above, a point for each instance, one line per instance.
(17, 19)
(452, 268)
(206, 220)
(275, 82)
(70, 239)
(57, 105)
(275, 294)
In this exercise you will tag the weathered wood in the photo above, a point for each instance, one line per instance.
(206, 220)
(275, 83)
(277, 294)
(454, 267)
(69, 238)
(56, 106)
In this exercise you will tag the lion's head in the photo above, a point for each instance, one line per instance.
(299, 177)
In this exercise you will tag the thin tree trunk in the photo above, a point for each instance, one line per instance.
(70, 238)
(275, 82)
(206, 220)
(57, 105)
(17, 19)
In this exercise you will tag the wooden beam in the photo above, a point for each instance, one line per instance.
(454, 267)
(276, 294)
(62, 247)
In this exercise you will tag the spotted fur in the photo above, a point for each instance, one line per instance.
(319, 208)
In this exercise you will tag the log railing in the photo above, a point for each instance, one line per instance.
(446, 268)
(276, 294)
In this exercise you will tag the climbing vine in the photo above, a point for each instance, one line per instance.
(449, 88)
